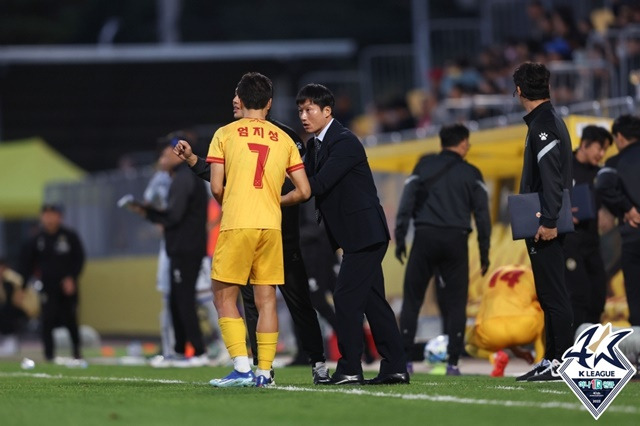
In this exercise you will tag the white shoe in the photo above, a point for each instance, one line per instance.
(61, 360)
(77, 363)
(9, 346)
(160, 361)
(194, 361)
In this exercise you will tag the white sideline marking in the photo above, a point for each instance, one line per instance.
(97, 379)
(539, 390)
(552, 391)
(432, 398)
(509, 387)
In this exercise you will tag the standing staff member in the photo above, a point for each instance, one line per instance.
(184, 224)
(584, 267)
(618, 184)
(547, 170)
(443, 191)
(56, 256)
(347, 201)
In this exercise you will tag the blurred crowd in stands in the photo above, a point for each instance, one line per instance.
(480, 86)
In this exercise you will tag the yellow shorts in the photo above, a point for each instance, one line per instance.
(249, 254)
(500, 333)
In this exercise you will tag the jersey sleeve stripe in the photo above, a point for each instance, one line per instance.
(215, 160)
(296, 167)
(547, 148)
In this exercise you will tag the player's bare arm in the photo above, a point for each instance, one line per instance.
(302, 190)
(217, 181)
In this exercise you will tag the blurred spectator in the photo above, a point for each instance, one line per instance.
(459, 75)
(564, 36)
(427, 110)
(540, 22)
(343, 111)
(394, 115)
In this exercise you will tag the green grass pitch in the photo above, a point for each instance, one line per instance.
(122, 395)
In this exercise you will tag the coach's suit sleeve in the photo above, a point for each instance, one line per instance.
(343, 154)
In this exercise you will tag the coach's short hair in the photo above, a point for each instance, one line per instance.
(533, 80)
(317, 94)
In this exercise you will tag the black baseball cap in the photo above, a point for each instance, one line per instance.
(172, 139)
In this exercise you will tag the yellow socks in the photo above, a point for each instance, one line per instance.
(234, 335)
(267, 343)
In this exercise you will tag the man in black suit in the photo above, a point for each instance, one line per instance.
(347, 201)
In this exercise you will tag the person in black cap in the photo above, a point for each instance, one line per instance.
(55, 256)
(184, 223)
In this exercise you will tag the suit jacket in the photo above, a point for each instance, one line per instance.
(344, 191)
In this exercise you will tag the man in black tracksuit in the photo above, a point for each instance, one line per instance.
(55, 255)
(584, 268)
(547, 170)
(440, 196)
(184, 223)
(618, 184)
(295, 290)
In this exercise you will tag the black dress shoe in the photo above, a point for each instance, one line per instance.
(344, 379)
(389, 379)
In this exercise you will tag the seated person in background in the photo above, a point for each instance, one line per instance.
(509, 316)
(12, 315)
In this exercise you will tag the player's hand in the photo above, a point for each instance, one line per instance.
(137, 209)
(545, 234)
(573, 211)
(184, 151)
(401, 251)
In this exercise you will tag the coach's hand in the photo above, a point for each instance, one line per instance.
(401, 251)
(484, 265)
(545, 234)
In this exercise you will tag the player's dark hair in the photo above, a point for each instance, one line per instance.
(595, 134)
(254, 90)
(316, 94)
(533, 80)
(453, 134)
(628, 126)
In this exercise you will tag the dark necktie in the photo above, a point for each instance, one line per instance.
(316, 150)
(316, 147)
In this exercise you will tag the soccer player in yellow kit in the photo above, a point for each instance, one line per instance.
(509, 316)
(249, 159)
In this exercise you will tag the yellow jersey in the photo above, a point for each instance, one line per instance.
(256, 155)
(509, 293)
